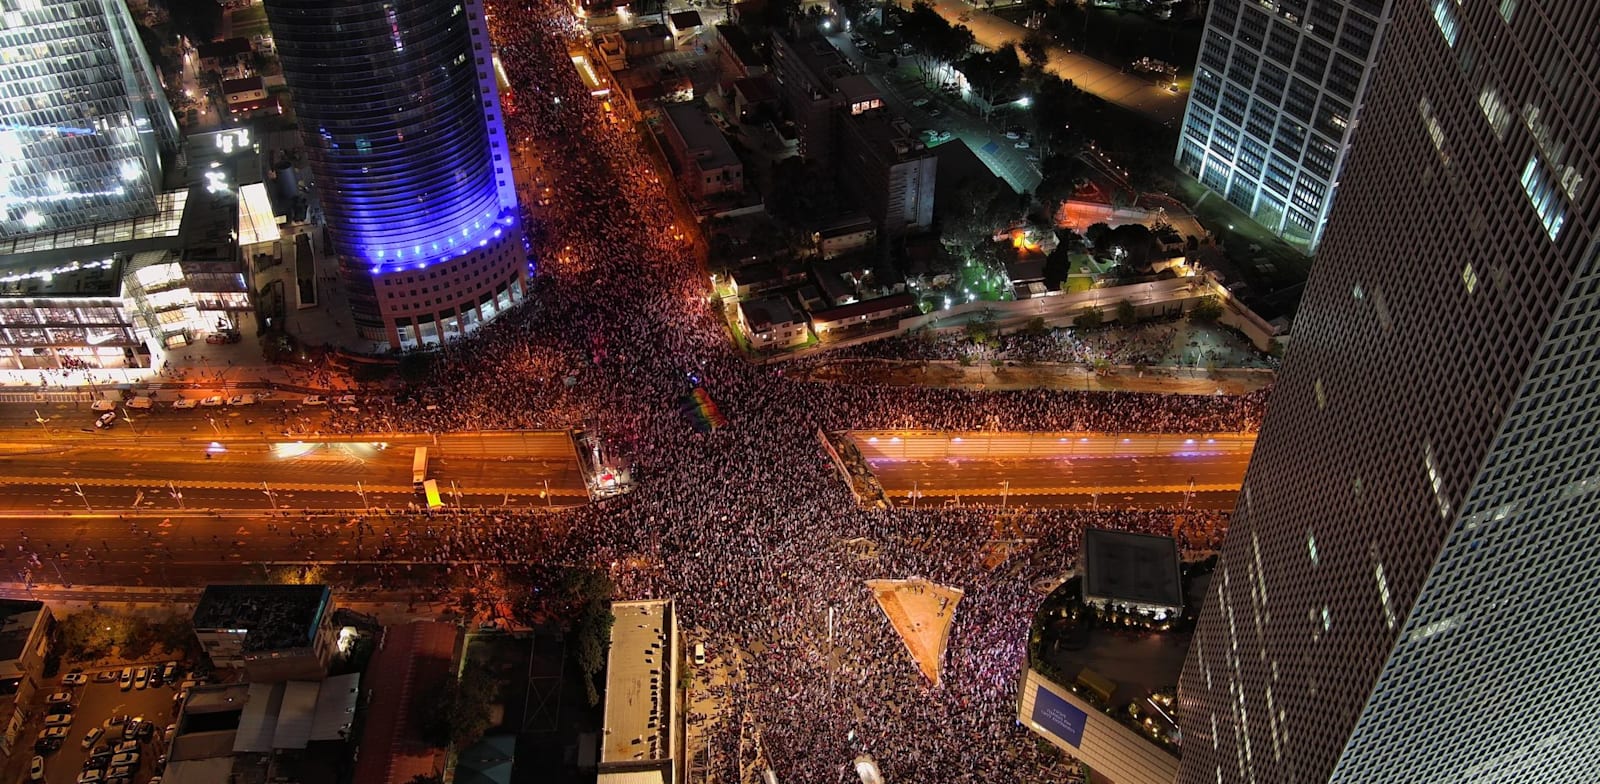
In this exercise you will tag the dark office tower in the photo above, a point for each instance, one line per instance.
(83, 121)
(1407, 591)
(1276, 92)
(397, 105)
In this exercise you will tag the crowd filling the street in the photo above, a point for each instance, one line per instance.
(745, 525)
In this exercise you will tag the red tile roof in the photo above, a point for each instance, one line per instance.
(414, 661)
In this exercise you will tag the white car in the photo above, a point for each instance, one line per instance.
(36, 769)
(62, 720)
(186, 402)
(141, 402)
(59, 698)
(212, 401)
(242, 400)
(141, 678)
(104, 405)
(92, 737)
(74, 679)
(314, 400)
(90, 777)
(126, 758)
(920, 102)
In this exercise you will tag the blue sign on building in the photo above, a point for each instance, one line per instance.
(1055, 715)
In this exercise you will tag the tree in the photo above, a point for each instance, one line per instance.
(1126, 314)
(992, 75)
(1208, 309)
(1061, 176)
(427, 778)
(1057, 267)
(935, 42)
(1090, 318)
(1036, 48)
(459, 711)
(982, 205)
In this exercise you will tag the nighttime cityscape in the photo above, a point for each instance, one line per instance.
(798, 391)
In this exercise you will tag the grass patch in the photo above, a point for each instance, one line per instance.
(249, 21)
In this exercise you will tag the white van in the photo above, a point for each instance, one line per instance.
(699, 654)
(103, 405)
(242, 400)
(141, 402)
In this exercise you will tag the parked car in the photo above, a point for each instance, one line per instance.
(212, 402)
(125, 681)
(36, 769)
(185, 402)
(105, 676)
(141, 402)
(1022, 144)
(125, 747)
(91, 777)
(62, 720)
(920, 102)
(147, 730)
(59, 698)
(120, 771)
(168, 734)
(169, 673)
(242, 400)
(345, 400)
(141, 678)
(74, 679)
(106, 421)
(103, 405)
(53, 733)
(126, 758)
(130, 731)
(92, 737)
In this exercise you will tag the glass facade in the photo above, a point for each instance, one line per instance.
(83, 119)
(1403, 592)
(1275, 94)
(389, 105)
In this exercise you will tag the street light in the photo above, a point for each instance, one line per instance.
(270, 499)
(172, 490)
(79, 493)
(37, 417)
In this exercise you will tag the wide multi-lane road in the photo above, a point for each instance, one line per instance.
(1059, 469)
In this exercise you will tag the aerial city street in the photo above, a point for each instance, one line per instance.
(770, 391)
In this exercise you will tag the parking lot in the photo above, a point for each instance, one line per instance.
(94, 706)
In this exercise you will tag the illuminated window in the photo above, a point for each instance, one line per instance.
(1508, 9)
(1494, 110)
(1536, 182)
(1469, 277)
(1444, 12)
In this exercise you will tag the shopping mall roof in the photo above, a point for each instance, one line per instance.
(638, 722)
(1133, 568)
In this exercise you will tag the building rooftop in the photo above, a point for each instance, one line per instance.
(227, 47)
(273, 617)
(704, 141)
(638, 684)
(647, 32)
(1140, 569)
(685, 20)
(17, 619)
(887, 304)
(242, 85)
(740, 43)
(756, 88)
(767, 312)
(889, 137)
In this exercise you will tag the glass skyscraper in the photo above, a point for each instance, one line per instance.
(1407, 589)
(83, 119)
(1276, 92)
(397, 107)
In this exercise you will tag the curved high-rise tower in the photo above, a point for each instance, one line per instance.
(397, 106)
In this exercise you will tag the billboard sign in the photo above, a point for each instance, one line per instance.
(1053, 714)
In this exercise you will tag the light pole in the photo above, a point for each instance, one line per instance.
(173, 490)
(1005, 493)
(41, 420)
(126, 417)
(79, 492)
(549, 502)
(363, 492)
(213, 420)
(270, 499)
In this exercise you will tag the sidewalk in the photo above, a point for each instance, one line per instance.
(943, 373)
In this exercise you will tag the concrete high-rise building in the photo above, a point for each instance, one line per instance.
(1404, 593)
(85, 122)
(405, 136)
(1277, 90)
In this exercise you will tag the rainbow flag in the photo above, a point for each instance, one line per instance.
(702, 411)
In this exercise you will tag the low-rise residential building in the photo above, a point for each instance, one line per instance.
(707, 164)
(646, 41)
(754, 279)
(245, 97)
(861, 313)
(772, 322)
(846, 236)
(754, 96)
(25, 630)
(736, 55)
(684, 25)
(229, 57)
(272, 632)
(855, 279)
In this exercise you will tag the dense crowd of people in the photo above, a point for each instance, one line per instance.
(746, 525)
(1170, 343)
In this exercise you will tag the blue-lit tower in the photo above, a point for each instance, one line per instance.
(404, 131)
(83, 120)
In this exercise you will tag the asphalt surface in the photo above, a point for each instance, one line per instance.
(1058, 469)
(94, 704)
